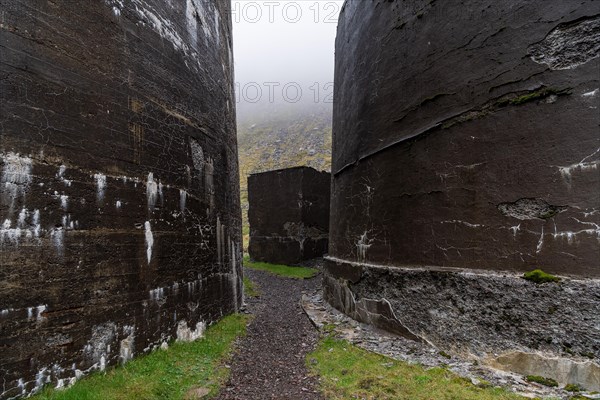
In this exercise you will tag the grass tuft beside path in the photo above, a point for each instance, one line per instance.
(349, 372)
(250, 288)
(164, 374)
(281, 270)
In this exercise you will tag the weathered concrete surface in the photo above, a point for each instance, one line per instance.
(551, 330)
(324, 317)
(468, 136)
(119, 202)
(465, 141)
(289, 214)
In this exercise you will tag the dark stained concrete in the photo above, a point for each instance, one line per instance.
(466, 152)
(289, 215)
(467, 135)
(119, 202)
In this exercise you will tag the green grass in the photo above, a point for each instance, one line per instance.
(348, 372)
(250, 289)
(281, 270)
(163, 374)
(538, 276)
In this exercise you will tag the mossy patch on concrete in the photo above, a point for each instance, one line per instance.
(538, 276)
(541, 380)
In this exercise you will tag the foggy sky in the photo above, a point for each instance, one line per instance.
(283, 43)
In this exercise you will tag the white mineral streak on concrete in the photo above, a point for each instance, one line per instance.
(64, 202)
(149, 240)
(22, 216)
(582, 165)
(117, 6)
(182, 199)
(462, 223)
(127, 345)
(58, 238)
(218, 27)
(186, 334)
(11, 235)
(98, 347)
(540, 243)
(363, 244)
(571, 235)
(21, 386)
(151, 191)
(593, 93)
(100, 186)
(36, 313)
(4, 313)
(41, 379)
(192, 23)
(169, 31)
(36, 223)
(515, 229)
(15, 178)
(60, 175)
(157, 294)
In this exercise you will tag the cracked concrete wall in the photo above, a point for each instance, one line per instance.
(468, 136)
(120, 224)
(502, 320)
(288, 214)
(466, 152)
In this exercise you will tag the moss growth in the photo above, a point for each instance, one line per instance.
(588, 354)
(532, 96)
(571, 387)
(541, 380)
(538, 276)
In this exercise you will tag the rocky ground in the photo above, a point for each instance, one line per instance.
(270, 361)
(327, 318)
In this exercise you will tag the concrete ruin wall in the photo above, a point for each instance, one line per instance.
(119, 199)
(289, 215)
(466, 141)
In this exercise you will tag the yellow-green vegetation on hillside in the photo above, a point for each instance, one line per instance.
(175, 373)
(349, 372)
(283, 140)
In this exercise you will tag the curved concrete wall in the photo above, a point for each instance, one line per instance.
(119, 199)
(467, 136)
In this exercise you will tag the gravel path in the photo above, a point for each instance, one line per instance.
(270, 361)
